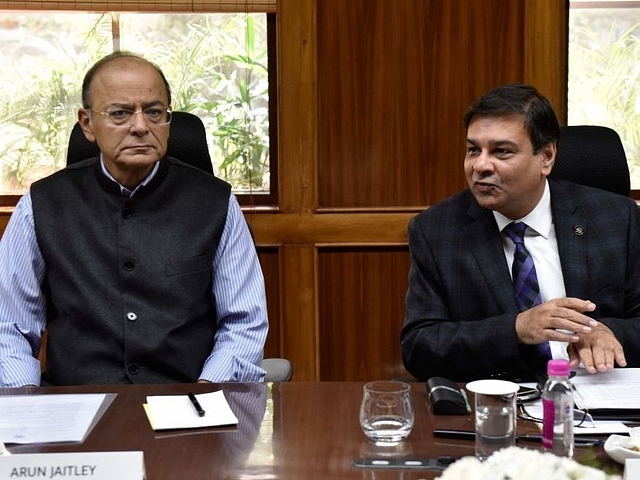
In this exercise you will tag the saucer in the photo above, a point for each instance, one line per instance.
(620, 447)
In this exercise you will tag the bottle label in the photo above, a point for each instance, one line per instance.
(548, 420)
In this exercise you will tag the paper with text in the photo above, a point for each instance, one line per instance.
(615, 389)
(50, 418)
(176, 411)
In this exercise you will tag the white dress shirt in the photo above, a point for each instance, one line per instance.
(541, 242)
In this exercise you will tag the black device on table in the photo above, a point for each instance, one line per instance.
(446, 397)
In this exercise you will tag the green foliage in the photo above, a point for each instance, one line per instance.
(37, 105)
(604, 79)
(214, 64)
(588, 457)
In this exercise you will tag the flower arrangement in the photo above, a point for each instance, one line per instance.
(515, 463)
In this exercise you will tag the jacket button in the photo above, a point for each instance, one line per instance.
(134, 369)
(132, 317)
(127, 213)
(128, 265)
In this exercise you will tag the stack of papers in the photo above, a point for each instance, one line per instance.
(615, 390)
(166, 412)
(50, 418)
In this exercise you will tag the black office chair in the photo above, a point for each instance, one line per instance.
(187, 142)
(594, 156)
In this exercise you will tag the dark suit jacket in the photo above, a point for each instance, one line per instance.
(460, 306)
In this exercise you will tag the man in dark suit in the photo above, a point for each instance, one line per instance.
(462, 317)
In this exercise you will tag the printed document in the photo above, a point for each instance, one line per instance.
(617, 389)
(50, 418)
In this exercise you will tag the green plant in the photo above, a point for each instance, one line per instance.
(218, 70)
(39, 98)
(227, 85)
(604, 83)
(214, 63)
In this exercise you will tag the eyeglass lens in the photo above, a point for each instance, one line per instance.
(124, 117)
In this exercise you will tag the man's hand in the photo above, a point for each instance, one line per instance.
(599, 351)
(561, 320)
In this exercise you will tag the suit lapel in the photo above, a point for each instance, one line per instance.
(572, 229)
(487, 249)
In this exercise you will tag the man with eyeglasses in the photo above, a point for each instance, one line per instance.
(140, 268)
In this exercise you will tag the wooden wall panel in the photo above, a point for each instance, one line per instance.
(394, 81)
(270, 263)
(361, 307)
(546, 50)
(297, 101)
(299, 306)
(5, 214)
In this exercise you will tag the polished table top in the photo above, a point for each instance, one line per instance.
(286, 431)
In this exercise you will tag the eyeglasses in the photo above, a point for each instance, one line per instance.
(581, 418)
(124, 118)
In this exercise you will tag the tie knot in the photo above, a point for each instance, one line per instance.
(515, 231)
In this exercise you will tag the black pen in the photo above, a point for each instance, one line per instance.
(577, 440)
(470, 435)
(196, 404)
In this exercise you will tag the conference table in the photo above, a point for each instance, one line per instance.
(293, 430)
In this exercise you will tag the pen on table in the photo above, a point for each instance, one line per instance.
(579, 441)
(469, 435)
(196, 404)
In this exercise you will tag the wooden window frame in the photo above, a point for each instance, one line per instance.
(145, 6)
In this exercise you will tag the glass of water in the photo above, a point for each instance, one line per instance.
(386, 412)
(495, 406)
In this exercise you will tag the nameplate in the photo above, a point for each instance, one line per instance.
(64, 466)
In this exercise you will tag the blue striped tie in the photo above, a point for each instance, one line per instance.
(525, 280)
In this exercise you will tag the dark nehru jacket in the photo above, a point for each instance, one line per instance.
(128, 280)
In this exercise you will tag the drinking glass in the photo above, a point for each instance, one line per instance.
(495, 415)
(386, 412)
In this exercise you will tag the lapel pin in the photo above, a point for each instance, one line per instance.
(578, 230)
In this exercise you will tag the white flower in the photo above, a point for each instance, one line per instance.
(515, 463)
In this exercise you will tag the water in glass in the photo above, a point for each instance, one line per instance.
(494, 429)
(386, 412)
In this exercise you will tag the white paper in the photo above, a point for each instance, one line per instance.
(615, 389)
(596, 427)
(601, 427)
(50, 418)
(176, 411)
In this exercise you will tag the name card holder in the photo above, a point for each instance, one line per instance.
(73, 465)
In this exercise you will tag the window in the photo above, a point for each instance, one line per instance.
(604, 71)
(219, 66)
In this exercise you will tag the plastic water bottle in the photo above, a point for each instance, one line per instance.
(557, 407)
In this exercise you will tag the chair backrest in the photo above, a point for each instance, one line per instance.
(187, 142)
(594, 156)
(278, 369)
